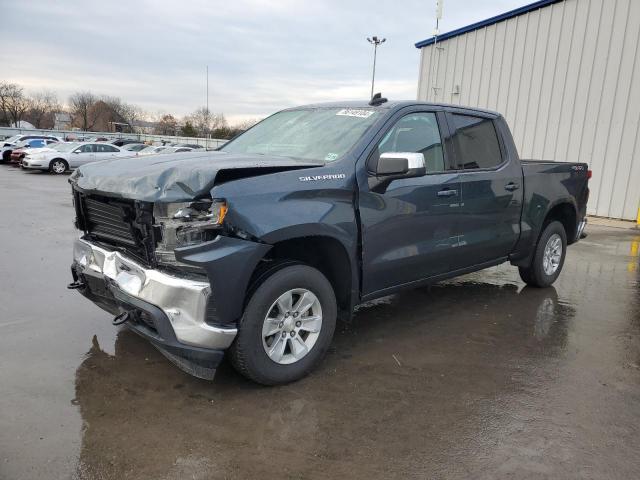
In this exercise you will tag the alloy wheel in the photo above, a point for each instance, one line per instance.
(292, 326)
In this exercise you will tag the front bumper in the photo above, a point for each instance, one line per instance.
(35, 164)
(166, 309)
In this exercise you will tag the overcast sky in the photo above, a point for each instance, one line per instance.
(263, 55)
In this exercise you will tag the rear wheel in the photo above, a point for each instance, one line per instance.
(548, 257)
(287, 326)
(58, 166)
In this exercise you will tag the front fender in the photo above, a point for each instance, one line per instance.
(229, 263)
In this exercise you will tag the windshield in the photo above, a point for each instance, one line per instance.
(12, 139)
(311, 133)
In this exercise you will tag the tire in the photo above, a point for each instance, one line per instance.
(544, 271)
(6, 156)
(58, 166)
(288, 361)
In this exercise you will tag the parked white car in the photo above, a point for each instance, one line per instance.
(152, 149)
(10, 143)
(67, 156)
(177, 150)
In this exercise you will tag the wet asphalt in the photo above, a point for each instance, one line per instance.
(479, 377)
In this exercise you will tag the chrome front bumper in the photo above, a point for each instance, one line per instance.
(182, 300)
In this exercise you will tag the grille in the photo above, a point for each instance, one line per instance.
(124, 224)
(109, 221)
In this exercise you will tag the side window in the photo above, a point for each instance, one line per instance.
(418, 133)
(476, 142)
(103, 148)
(85, 149)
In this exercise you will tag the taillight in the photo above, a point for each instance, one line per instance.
(589, 174)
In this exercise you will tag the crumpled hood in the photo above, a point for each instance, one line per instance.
(175, 176)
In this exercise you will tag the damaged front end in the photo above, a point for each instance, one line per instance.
(168, 310)
(164, 271)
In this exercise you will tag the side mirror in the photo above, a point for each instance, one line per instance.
(400, 165)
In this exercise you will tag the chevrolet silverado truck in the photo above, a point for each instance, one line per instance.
(258, 248)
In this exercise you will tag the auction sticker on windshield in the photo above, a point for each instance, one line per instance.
(350, 112)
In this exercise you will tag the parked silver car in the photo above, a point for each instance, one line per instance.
(67, 156)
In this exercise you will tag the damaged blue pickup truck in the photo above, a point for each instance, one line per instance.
(258, 248)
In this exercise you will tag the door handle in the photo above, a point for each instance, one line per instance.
(447, 193)
(511, 186)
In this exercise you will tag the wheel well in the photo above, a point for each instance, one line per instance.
(324, 253)
(564, 213)
(61, 159)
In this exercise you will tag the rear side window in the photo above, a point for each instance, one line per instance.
(476, 142)
(102, 148)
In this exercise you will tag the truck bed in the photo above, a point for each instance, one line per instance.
(545, 180)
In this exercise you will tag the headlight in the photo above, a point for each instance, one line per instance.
(185, 224)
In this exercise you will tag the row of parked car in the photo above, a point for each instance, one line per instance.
(55, 155)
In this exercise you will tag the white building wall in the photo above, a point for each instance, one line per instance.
(567, 79)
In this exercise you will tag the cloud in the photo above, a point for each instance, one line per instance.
(263, 55)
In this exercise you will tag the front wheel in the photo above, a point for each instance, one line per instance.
(548, 257)
(287, 326)
(58, 166)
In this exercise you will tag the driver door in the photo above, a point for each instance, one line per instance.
(81, 155)
(409, 225)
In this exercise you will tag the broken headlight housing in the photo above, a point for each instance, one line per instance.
(184, 224)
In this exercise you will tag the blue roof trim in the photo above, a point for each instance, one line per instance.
(489, 21)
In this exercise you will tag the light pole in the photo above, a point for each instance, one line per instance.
(206, 142)
(375, 41)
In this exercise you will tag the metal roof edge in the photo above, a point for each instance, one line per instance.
(489, 21)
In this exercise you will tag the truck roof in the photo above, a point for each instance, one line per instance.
(393, 104)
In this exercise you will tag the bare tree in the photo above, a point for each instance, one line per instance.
(131, 114)
(82, 104)
(42, 108)
(205, 121)
(124, 112)
(14, 102)
(166, 125)
(5, 88)
(245, 124)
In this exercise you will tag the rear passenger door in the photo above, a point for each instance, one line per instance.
(104, 151)
(491, 191)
